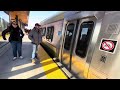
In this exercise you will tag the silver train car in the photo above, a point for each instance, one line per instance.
(89, 43)
(51, 32)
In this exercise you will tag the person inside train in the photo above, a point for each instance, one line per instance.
(36, 38)
(16, 35)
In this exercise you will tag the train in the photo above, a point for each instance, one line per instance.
(3, 25)
(51, 34)
(85, 42)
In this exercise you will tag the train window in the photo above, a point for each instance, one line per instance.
(44, 31)
(84, 38)
(50, 33)
(41, 30)
(69, 33)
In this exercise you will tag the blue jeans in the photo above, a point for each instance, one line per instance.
(34, 51)
(16, 46)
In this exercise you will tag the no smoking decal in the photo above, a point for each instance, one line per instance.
(108, 45)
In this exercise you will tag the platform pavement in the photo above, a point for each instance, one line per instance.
(20, 68)
(23, 68)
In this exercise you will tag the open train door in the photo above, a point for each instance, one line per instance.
(78, 43)
(67, 42)
(77, 40)
(82, 46)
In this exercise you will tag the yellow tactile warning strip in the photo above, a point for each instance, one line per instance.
(51, 69)
(1, 38)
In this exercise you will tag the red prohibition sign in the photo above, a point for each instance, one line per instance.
(107, 45)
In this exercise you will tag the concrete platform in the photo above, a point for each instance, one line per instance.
(25, 69)
(20, 68)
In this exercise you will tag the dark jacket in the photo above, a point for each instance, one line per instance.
(16, 34)
(35, 36)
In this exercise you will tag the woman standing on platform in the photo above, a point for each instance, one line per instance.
(16, 35)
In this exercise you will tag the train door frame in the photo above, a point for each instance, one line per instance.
(45, 31)
(79, 59)
(63, 44)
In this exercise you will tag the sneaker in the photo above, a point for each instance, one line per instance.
(33, 60)
(21, 57)
(14, 58)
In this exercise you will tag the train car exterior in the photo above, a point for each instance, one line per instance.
(78, 40)
(51, 32)
(89, 45)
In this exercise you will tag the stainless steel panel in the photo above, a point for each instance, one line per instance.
(83, 14)
(110, 68)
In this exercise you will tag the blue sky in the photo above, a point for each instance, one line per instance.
(38, 16)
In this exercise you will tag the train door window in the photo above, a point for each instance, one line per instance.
(69, 34)
(50, 33)
(44, 31)
(84, 38)
(47, 35)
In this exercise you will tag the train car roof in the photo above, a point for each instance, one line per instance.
(71, 15)
(59, 16)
